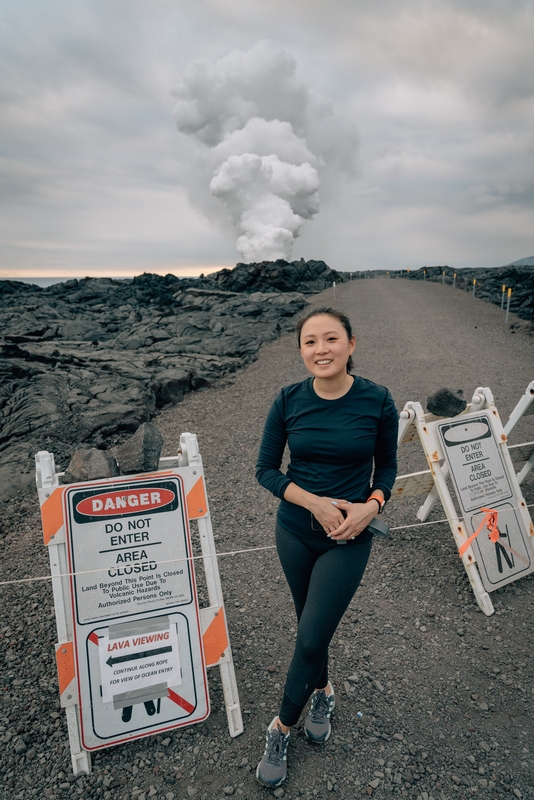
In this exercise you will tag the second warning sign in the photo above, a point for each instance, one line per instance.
(138, 661)
(476, 465)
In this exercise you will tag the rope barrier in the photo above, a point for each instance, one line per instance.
(39, 578)
(168, 561)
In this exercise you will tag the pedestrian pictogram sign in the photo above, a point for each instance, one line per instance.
(481, 480)
(133, 643)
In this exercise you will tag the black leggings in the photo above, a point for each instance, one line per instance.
(323, 577)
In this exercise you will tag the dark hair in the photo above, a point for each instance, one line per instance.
(331, 312)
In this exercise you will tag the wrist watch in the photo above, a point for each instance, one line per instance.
(381, 503)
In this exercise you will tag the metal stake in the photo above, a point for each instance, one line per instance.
(508, 304)
(502, 296)
(474, 285)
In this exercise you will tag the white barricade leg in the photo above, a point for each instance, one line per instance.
(426, 508)
(406, 421)
(522, 474)
(47, 482)
(524, 407)
(189, 446)
(81, 759)
(231, 699)
(482, 597)
(215, 595)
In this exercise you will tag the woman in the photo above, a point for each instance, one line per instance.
(342, 436)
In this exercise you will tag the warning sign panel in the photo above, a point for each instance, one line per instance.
(475, 462)
(127, 548)
(140, 663)
(481, 480)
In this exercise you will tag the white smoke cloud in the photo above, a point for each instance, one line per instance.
(253, 119)
(268, 200)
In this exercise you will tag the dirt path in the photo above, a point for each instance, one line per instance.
(444, 693)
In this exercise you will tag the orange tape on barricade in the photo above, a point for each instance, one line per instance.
(490, 521)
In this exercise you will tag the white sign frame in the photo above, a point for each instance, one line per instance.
(210, 640)
(97, 542)
(480, 477)
(514, 519)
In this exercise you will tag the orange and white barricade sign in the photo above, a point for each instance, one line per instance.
(133, 643)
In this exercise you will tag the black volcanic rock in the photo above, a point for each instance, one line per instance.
(88, 361)
(90, 465)
(171, 385)
(281, 276)
(446, 403)
(140, 453)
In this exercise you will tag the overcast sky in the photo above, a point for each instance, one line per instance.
(415, 120)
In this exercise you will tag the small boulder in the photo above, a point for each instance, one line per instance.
(140, 453)
(446, 403)
(90, 465)
(171, 385)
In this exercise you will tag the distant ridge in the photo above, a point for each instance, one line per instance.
(522, 262)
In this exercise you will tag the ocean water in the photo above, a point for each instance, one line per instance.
(44, 282)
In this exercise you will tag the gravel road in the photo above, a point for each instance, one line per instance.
(434, 699)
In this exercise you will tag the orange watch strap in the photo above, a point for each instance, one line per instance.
(379, 500)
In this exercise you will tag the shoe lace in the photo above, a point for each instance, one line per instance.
(320, 707)
(274, 751)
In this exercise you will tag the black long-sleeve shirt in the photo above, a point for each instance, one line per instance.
(336, 446)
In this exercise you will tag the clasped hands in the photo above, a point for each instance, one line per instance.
(343, 520)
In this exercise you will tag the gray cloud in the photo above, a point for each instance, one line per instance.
(440, 97)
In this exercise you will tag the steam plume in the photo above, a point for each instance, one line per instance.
(264, 136)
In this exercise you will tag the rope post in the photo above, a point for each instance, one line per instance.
(454, 281)
(334, 287)
(424, 274)
(474, 285)
(443, 276)
(502, 295)
(508, 304)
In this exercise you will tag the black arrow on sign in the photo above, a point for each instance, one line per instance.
(146, 654)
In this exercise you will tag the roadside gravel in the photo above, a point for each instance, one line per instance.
(434, 700)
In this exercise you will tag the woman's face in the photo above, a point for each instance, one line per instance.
(325, 346)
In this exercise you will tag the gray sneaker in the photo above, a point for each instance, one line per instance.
(271, 770)
(317, 722)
